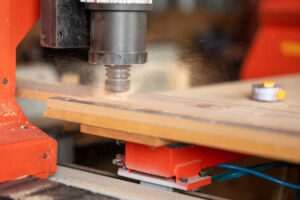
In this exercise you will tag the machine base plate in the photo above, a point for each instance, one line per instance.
(193, 183)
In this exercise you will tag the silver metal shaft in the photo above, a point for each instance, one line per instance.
(117, 78)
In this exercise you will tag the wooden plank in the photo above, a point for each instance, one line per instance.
(219, 116)
(42, 90)
(238, 93)
(122, 135)
(238, 139)
(232, 93)
(281, 117)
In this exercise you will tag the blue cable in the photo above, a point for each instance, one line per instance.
(233, 174)
(250, 171)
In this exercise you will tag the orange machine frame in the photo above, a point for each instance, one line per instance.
(24, 149)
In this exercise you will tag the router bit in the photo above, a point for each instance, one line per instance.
(117, 38)
(117, 78)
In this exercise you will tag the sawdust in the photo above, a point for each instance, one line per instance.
(101, 93)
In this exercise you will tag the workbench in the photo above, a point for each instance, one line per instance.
(221, 116)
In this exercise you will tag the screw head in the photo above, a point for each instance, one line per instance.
(59, 35)
(184, 180)
(5, 81)
(25, 127)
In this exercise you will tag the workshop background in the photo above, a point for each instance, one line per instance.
(190, 43)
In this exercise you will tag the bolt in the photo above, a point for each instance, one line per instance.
(184, 180)
(116, 161)
(5, 81)
(203, 174)
(44, 155)
(24, 127)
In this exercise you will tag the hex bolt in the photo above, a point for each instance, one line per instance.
(184, 180)
(44, 155)
(5, 81)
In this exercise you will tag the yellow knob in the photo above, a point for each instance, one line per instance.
(280, 94)
(268, 84)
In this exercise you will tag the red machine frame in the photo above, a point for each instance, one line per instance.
(184, 162)
(275, 49)
(24, 149)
